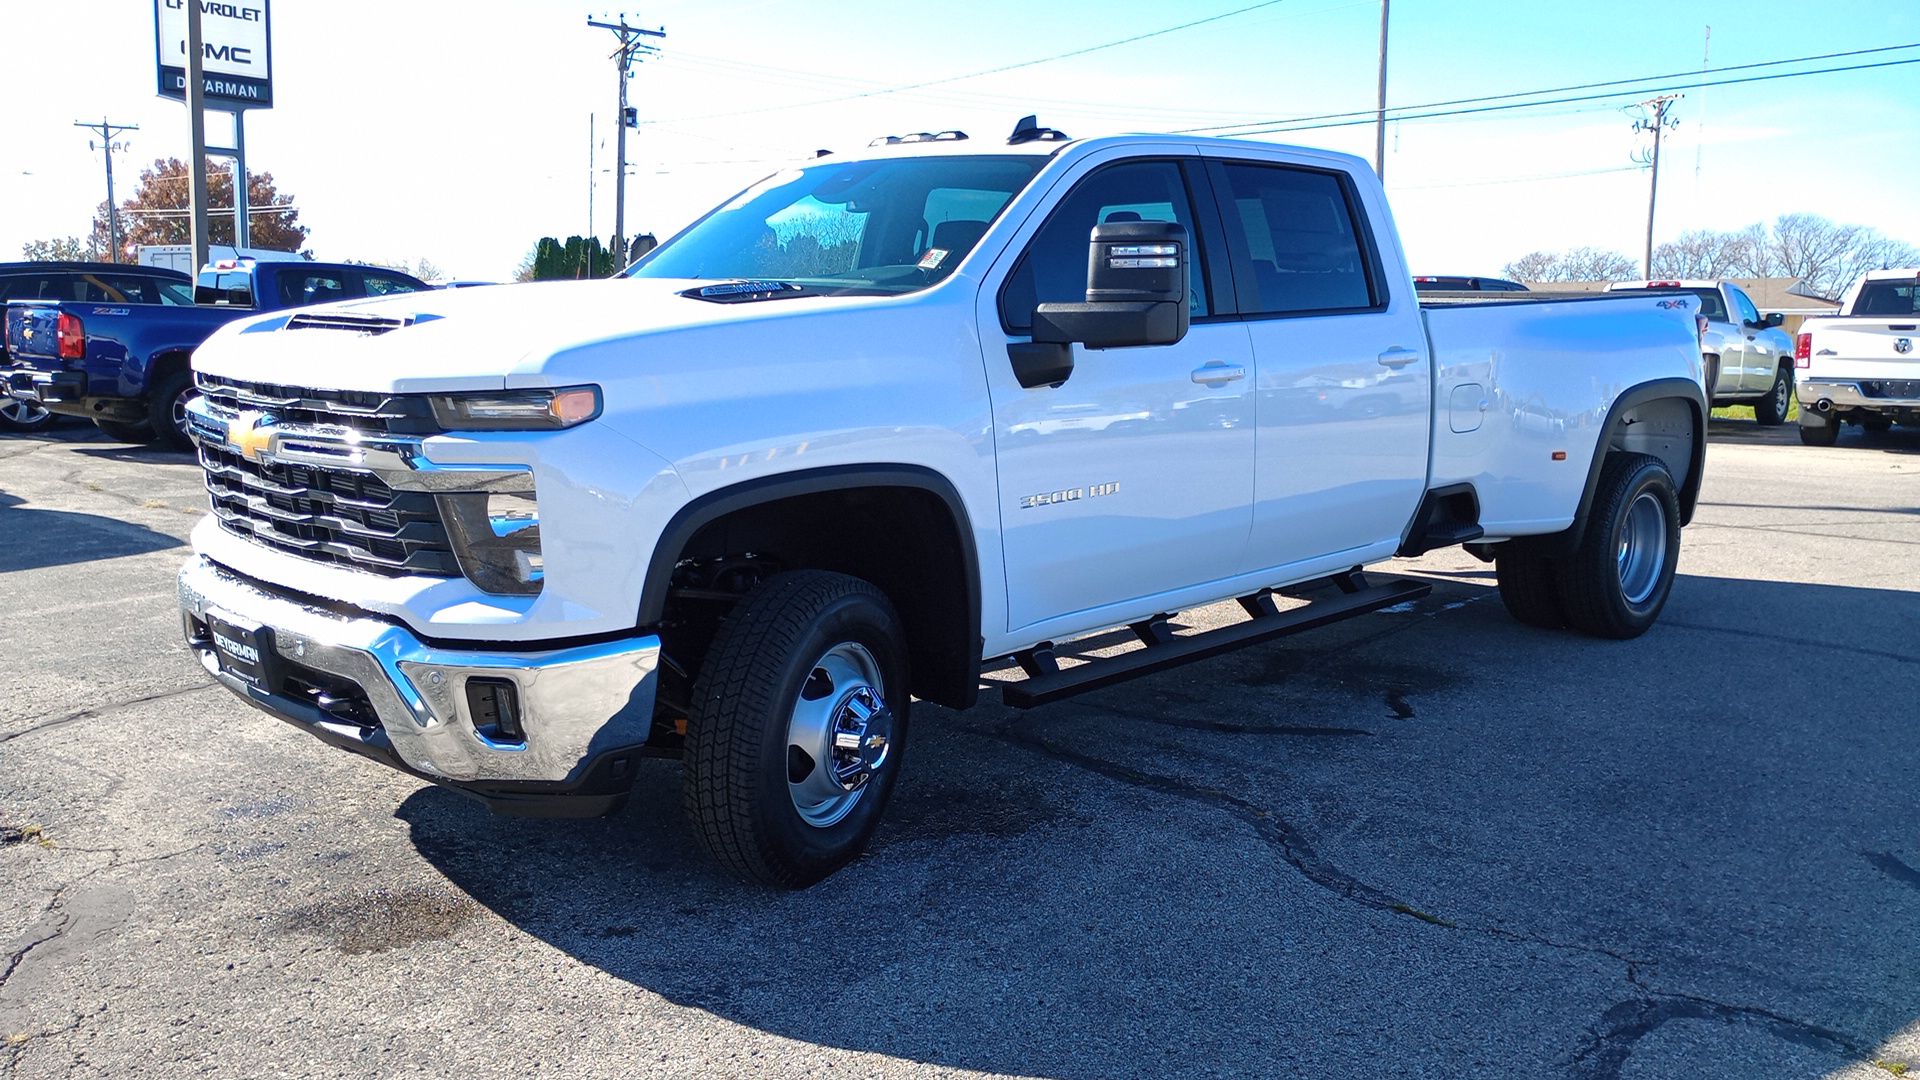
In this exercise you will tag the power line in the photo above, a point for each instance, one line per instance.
(988, 71)
(1520, 179)
(1698, 79)
(1291, 126)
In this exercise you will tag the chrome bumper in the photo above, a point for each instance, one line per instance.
(576, 704)
(1848, 395)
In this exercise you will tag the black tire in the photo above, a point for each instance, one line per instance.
(25, 417)
(1530, 587)
(1618, 578)
(743, 785)
(1823, 435)
(128, 431)
(1771, 411)
(166, 413)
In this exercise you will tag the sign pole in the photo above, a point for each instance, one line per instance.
(197, 123)
(242, 235)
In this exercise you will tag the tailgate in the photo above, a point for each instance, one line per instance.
(1867, 348)
(33, 334)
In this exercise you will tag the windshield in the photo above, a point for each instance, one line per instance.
(861, 227)
(1888, 298)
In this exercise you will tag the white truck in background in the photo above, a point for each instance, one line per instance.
(883, 422)
(1861, 365)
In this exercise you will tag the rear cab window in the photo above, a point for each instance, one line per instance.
(1888, 298)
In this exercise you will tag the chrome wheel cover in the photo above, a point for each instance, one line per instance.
(180, 410)
(22, 412)
(1782, 394)
(839, 735)
(1643, 548)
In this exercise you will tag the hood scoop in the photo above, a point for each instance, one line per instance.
(364, 325)
(740, 292)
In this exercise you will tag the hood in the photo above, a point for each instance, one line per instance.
(468, 339)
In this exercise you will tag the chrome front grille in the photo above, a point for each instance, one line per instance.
(398, 414)
(335, 515)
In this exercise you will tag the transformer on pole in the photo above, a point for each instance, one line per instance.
(1657, 123)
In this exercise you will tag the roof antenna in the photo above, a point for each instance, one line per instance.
(1029, 130)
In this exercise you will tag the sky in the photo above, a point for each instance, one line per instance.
(458, 130)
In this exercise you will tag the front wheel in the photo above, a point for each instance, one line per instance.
(1771, 411)
(798, 719)
(1617, 579)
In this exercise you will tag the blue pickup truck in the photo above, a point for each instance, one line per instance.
(125, 365)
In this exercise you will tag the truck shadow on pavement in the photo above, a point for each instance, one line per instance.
(31, 539)
(1429, 838)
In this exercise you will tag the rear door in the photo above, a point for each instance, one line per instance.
(1134, 477)
(1344, 377)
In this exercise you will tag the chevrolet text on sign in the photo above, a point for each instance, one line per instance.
(236, 52)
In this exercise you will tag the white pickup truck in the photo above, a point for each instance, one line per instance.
(1859, 366)
(881, 423)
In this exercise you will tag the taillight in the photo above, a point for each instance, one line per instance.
(1803, 351)
(73, 337)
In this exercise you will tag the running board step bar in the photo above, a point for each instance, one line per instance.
(1047, 682)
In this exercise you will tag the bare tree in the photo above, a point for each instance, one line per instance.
(1826, 256)
(1596, 264)
(1707, 253)
(1533, 266)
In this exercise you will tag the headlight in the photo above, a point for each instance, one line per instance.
(517, 410)
(496, 537)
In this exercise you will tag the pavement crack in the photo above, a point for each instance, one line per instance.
(46, 723)
(1283, 838)
(1611, 1042)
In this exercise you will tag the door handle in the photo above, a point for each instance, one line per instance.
(1215, 373)
(1398, 357)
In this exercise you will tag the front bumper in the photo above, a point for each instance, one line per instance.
(374, 688)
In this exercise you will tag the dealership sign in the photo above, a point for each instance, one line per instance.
(236, 52)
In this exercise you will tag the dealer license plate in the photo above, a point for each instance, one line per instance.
(244, 649)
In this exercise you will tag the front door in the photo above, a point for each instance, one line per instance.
(1134, 477)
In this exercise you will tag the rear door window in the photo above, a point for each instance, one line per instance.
(1299, 238)
(300, 288)
(387, 284)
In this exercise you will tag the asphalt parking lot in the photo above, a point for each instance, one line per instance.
(1427, 842)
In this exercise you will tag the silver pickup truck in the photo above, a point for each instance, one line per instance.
(1749, 358)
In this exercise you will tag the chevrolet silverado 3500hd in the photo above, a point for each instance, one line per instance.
(875, 421)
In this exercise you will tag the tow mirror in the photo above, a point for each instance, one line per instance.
(1138, 279)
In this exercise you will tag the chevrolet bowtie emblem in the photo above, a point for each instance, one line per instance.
(251, 433)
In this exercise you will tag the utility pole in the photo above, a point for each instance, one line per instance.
(197, 124)
(590, 225)
(108, 146)
(1380, 116)
(632, 49)
(1657, 123)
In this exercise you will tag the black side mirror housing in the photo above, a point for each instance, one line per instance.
(1139, 276)
(1772, 319)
